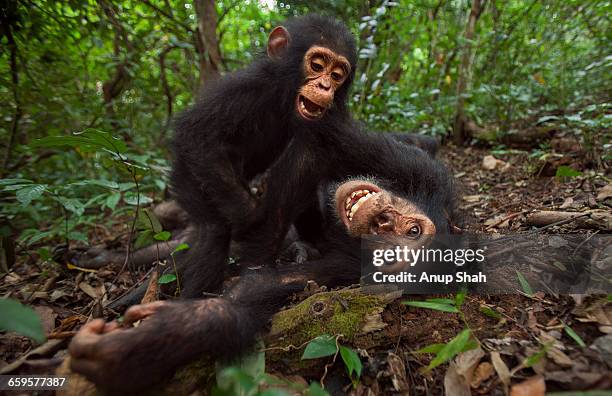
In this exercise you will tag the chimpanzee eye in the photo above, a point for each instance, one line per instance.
(414, 231)
(317, 65)
(336, 76)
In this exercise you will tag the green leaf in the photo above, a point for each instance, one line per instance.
(570, 332)
(351, 361)
(236, 381)
(131, 198)
(433, 348)
(315, 390)
(87, 140)
(274, 392)
(147, 220)
(162, 236)
(10, 182)
(323, 345)
(144, 238)
(524, 284)
(71, 204)
(566, 171)
(21, 319)
(490, 312)
(93, 182)
(77, 236)
(458, 344)
(112, 201)
(166, 278)
(460, 298)
(535, 358)
(29, 193)
(442, 300)
(182, 246)
(432, 305)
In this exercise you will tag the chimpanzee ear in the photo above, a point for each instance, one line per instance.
(278, 41)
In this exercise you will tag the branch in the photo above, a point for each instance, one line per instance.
(168, 16)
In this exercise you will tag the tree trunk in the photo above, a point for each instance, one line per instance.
(459, 131)
(207, 43)
(113, 87)
(7, 30)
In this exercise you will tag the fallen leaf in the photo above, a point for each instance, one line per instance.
(605, 192)
(483, 372)
(47, 317)
(459, 374)
(559, 357)
(489, 162)
(502, 370)
(533, 386)
(59, 293)
(472, 198)
(152, 289)
(397, 373)
(93, 292)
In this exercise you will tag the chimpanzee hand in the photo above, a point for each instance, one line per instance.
(128, 359)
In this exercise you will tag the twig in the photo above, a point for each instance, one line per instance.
(328, 365)
(506, 218)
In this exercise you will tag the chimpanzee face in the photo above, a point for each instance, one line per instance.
(324, 73)
(366, 208)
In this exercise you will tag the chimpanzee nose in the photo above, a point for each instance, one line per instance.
(383, 223)
(325, 84)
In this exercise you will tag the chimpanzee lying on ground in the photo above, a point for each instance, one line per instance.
(405, 192)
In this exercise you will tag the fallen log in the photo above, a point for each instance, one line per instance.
(595, 219)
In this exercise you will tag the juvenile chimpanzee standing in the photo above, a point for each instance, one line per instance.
(240, 126)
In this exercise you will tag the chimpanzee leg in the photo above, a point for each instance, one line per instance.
(174, 333)
(202, 266)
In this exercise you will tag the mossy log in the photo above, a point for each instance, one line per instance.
(354, 313)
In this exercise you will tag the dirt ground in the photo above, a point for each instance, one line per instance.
(496, 196)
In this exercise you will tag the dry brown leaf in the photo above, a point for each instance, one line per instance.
(459, 374)
(483, 372)
(152, 290)
(47, 317)
(533, 386)
(605, 192)
(502, 370)
(397, 373)
(94, 292)
(472, 198)
(489, 162)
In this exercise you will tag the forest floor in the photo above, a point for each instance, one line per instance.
(528, 346)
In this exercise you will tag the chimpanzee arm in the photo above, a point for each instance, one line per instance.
(172, 334)
(291, 186)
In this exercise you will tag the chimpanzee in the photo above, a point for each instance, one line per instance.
(427, 143)
(404, 191)
(244, 123)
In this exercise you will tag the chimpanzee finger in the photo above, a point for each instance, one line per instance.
(138, 312)
(85, 341)
(86, 367)
(111, 326)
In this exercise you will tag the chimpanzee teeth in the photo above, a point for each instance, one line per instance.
(351, 208)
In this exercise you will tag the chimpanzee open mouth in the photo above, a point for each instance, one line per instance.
(349, 202)
(309, 109)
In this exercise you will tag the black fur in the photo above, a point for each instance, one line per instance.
(240, 126)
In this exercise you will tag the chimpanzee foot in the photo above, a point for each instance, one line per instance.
(300, 252)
